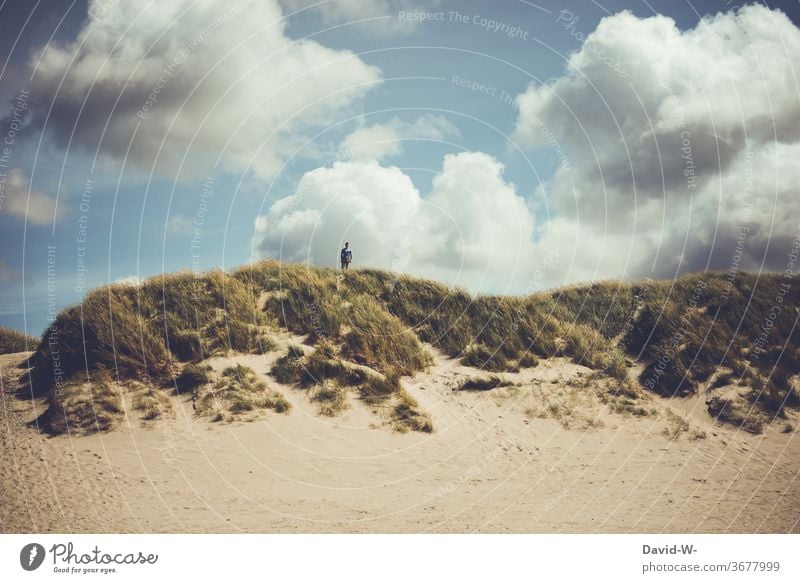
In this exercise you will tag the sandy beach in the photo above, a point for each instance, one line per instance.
(490, 466)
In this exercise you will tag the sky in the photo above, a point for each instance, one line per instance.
(503, 147)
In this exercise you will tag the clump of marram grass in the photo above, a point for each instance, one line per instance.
(150, 402)
(526, 360)
(331, 398)
(192, 377)
(737, 412)
(479, 356)
(286, 370)
(376, 389)
(627, 407)
(15, 341)
(676, 426)
(407, 416)
(689, 329)
(624, 398)
(320, 366)
(481, 383)
(499, 333)
(298, 297)
(85, 406)
(775, 393)
(237, 392)
(386, 393)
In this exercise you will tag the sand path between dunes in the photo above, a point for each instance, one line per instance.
(488, 467)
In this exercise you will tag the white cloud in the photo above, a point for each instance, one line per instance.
(154, 82)
(383, 14)
(472, 230)
(667, 150)
(21, 201)
(380, 141)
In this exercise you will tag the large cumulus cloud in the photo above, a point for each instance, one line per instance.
(160, 83)
(473, 229)
(683, 149)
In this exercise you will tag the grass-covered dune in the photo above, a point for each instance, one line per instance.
(699, 330)
(15, 341)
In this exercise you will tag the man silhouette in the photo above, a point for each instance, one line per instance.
(346, 256)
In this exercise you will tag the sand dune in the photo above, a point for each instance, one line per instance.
(492, 465)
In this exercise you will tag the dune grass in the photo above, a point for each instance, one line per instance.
(12, 341)
(573, 407)
(737, 412)
(236, 393)
(331, 398)
(139, 332)
(483, 383)
(686, 330)
(313, 369)
(328, 378)
(192, 377)
(407, 416)
(83, 406)
(677, 426)
(312, 301)
(105, 332)
(150, 402)
(625, 398)
(376, 390)
(379, 339)
(682, 331)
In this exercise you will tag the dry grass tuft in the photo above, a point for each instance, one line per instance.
(192, 377)
(407, 416)
(331, 398)
(376, 389)
(624, 398)
(573, 407)
(238, 391)
(314, 369)
(677, 426)
(84, 407)
(150, 402)
(484, 383)
(738, 412)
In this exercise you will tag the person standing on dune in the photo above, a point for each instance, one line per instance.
(346, 257)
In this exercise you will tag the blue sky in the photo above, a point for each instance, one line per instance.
(499, 146)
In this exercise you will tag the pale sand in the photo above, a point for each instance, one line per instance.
(487, 468)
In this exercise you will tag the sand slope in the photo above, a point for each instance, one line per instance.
(488, 467)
